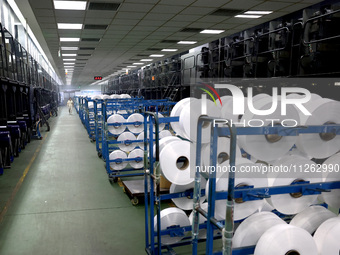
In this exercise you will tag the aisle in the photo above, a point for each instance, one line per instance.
(66, 204)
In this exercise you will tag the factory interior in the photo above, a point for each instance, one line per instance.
(169, 127)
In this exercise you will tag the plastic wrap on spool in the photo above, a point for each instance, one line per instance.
(251, 229)
(173, 170)
(136, 117)
(126, 145)
(311, 218)
(176, 112)
(284, 239)
(164, 133)
(185, 203)
(171, 217)
(291, 203)
(116, 118)
(332, 198)
(189, 118)
(138, 163)
(327, 237)
(223, 149)
(118, 154)
(324, 111)
(268, 147)
(241, 209)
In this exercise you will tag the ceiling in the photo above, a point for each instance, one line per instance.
(137, 29)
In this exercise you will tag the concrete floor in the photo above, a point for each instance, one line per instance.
(66, 204)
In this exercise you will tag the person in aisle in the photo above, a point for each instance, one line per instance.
(70, 105)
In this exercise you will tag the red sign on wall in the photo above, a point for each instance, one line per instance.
(98, 78)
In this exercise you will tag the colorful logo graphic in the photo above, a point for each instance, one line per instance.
(210, 94)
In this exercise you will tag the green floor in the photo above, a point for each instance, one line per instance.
(66, 204)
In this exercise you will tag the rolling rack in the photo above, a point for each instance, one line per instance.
(89, 119)
(134, 105)
(153, 243)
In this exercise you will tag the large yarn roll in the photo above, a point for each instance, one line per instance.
(137, 118)
(172, 217)
(284, 239)
(117, 119)
(327, 237)
(126, 138)
(118, 154)
(176, 112)
(332, 198)
(268, 147)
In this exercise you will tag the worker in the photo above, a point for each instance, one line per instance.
(70, 105)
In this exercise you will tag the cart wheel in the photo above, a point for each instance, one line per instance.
(100, 154)
(115, 180)
(134, 201)
(111, 180)
(93, 140)
(124, 190)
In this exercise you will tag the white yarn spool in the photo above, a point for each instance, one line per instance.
(268, 147)
(136, 128)
(324, 111)
(126, 137)
(175, 162)
(311, 218)
(138, 163)
(117, 119)
(332, 198)
(223, 154)
(176, 112)
(251, 229)
(295, 202)
(170, 217)
(241, 209)
(327, 237)
(189, 118)
(284, 239)
(118, 154)
(164, 133)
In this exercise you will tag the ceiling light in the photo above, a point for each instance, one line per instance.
(186, 42)
(138, 63)
(69, 55)
(70, 5)
(248, 16)
(69, 67)
(69, 39)
(69, 59)
(69, 64)
(131, 66)
(69, 26)
(258, 12)
(170, 50)
(69, 48)
(156, 55)
(212, 31)
(146, 59)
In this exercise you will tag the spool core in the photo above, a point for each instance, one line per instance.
(182, 163)
(327, 136)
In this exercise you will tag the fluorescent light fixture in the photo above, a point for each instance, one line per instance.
(69, 26)
(212, 31)
(69, 39)
(170, 50)
(69, 55)
(69, 59)
(156, 55)
(131, 66)
(70, 5)
(69, 67)
(69, 48)
(138, 63)
(258, 12)
(248, 16)
(146, 59)
(186, 42)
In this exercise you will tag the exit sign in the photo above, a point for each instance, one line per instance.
(98, 78)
